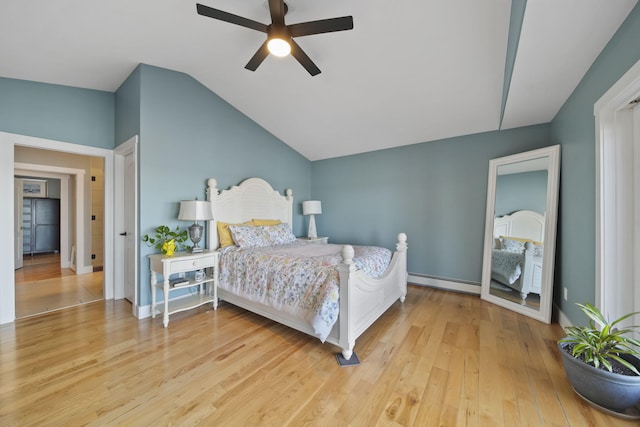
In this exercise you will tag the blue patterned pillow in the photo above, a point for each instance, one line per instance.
(250, 237)
(514, 246)
(261, 235)
(280, 234)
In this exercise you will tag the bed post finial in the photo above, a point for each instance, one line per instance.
(347, 254)
(289, 193)
(402, 242)
(212, 183)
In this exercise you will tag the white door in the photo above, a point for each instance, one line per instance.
(17, 220)
(130, 257)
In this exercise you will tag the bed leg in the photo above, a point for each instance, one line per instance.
(524, 297)
(347, 353)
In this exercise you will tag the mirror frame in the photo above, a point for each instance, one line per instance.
(551, 216)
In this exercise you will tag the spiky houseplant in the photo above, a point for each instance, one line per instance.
(593, 355)
(601, 342)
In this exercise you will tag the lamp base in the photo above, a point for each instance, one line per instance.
(195, 234)
(312, 233)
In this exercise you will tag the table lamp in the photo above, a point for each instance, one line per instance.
(195, 210)
(312, 208)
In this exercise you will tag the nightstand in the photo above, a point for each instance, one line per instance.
(318, 240)
(204, 289)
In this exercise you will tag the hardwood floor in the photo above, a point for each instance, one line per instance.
(42, 286)
(440, 358)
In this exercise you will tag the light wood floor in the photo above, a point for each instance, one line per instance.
(440, 358)
(42, 286)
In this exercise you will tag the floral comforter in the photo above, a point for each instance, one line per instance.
(506, 267)
(300, 278)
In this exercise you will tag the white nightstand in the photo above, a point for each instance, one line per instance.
(184, 262)
(318, 240)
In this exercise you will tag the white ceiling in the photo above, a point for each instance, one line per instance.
(409, 72)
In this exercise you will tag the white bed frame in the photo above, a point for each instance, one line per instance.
(362, 299)
(528, 225)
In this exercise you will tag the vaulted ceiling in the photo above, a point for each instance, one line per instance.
(409, 72)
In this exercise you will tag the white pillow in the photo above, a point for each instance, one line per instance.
(249, 236)
(511, 245)
(280, 234)
(261, 235)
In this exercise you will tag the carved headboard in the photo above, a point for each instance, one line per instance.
(254, 198)
(523, 224)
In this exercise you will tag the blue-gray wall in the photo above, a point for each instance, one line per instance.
(187, 135)
(61, 113)
(574, 128)
(521, 191)
(435, 192)
(127, 106)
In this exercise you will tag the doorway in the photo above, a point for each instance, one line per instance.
(7, 276)
(64, 274)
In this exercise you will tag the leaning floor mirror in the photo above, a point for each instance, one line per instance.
(520, 232)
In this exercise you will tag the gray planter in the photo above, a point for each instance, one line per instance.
(612, 391)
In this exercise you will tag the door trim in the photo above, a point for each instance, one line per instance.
(130, 146)
(614, 182)
(63, 174)
(7, 274)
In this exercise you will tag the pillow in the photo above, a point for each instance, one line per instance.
(224, 234)
(250, 236)
(280, 234)
(511, 245)
(522, 239)
(266, 221)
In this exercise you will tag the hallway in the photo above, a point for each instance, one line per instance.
(42, 286)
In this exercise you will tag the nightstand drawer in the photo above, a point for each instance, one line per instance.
(191, 264)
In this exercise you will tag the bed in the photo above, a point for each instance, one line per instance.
(516, 260)
(359, 299)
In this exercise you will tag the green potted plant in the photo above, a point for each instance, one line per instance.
(602, 362)
(166, 240)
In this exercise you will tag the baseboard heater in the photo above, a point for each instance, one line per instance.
(444, 283)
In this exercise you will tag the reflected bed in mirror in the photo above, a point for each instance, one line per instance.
(520, 231)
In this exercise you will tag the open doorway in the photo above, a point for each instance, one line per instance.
(51, 278)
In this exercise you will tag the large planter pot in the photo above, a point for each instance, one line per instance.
(609, 390)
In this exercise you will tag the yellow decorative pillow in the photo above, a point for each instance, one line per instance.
(522, 240)
(224, 234)
(266, 221)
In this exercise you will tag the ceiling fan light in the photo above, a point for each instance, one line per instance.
(279, 47)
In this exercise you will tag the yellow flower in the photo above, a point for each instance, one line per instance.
(169, 247)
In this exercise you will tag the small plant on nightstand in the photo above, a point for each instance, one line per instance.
(166, 240)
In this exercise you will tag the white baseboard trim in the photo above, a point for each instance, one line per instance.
(84, 270)
(447, 284)
(142, 312)
(562, 319)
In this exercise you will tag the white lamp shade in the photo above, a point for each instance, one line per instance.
(311, 207)
(195, 210)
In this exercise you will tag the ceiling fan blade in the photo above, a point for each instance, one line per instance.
(230, 18)
(303, 59)
(322, 26)
(258, 57)
(277, 10)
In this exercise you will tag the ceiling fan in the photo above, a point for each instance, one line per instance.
(279, 35)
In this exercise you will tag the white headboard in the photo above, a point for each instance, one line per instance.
(523, 224)
(254, 198)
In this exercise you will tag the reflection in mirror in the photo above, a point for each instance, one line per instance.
(520, 232)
